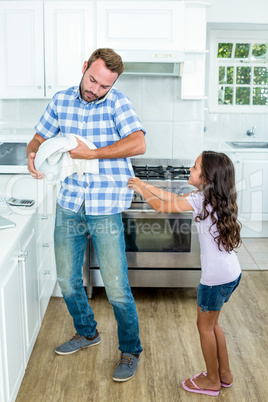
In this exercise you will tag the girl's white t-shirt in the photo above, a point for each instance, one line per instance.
(218, 267)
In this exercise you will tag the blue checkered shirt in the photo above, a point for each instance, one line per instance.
(102, 122)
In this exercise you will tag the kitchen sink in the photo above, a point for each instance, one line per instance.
(248, 144)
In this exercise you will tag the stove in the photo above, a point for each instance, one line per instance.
(167, 174)
(162, 169)
(162, 249)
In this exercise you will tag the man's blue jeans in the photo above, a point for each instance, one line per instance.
(71, 234)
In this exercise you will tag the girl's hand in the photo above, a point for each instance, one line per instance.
(135, 184)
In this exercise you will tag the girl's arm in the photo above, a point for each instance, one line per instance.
(160, 200)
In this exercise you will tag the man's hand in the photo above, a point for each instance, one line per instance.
(31, 151)
(34, 173)
(81, 151)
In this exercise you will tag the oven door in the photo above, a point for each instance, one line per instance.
(158, 241)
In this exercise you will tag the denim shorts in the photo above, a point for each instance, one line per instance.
(212, 298)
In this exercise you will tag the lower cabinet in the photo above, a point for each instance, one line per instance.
(19, 314)
(27, 280)
(27, 259)
(45, 259)
(252, 185)
(11, 326)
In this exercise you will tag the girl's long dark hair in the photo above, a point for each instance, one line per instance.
(219, 191)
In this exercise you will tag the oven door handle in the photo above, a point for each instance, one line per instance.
(132, 211)
(151, 213)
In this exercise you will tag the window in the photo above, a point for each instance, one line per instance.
(239, 66)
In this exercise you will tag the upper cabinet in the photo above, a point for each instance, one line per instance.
(68, 42)
(193, 77)
(43, 44)
(140, 25)
(21, 49)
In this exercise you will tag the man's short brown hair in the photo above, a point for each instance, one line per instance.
(111, 59)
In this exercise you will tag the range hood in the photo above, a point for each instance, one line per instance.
(152, 62)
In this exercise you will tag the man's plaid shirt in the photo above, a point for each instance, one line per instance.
(102, 122)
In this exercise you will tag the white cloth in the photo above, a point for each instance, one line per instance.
(70, 166)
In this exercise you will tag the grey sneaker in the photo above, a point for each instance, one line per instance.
(126, 367)
(76, 343)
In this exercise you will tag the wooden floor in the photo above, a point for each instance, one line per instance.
(171, 349)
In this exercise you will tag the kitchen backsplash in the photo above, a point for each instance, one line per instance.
(233, 126)
(174, 127)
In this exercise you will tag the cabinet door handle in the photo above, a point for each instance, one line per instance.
(21, 258)
(44, 217)
(45, 244)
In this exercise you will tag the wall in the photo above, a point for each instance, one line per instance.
(174, 127)
(242, 11)
(238, 14)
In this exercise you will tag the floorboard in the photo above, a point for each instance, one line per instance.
(171, 349)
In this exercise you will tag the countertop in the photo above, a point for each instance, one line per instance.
(222, 146)
(23, 186)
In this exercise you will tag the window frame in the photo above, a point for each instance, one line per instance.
(232, 36)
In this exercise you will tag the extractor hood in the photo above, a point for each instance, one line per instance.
(152, 62)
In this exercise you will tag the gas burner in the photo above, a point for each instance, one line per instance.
(178, 172)
(149, 172)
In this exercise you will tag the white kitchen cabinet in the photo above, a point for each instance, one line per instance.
(11, 326)
(28, 262)
(68, 42)
(21, 49)
(45, 259)
(19, 313)
(252, 185)
(43, 46)
(193, 77)
(140, 25)
(45, 220)
(195, 26)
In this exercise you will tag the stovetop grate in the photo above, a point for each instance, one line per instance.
(150, 172)
(160, 172)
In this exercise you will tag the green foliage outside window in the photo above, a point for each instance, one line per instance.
(249, 84)
(242, 96)
(243, 75)
(259, 50)
(260, 96)
(242, 50)
(225, 95)
(260, 76)
(225, 50)
(226, 75)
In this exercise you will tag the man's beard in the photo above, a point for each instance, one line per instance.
(83, 93)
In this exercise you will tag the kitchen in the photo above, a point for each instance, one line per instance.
(177, 107)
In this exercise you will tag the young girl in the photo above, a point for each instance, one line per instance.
(215, 211)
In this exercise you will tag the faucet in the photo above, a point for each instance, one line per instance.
(251, 132)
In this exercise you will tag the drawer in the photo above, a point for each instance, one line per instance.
(44, 228)
(43, 277)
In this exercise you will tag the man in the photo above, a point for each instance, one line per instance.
(92, 204)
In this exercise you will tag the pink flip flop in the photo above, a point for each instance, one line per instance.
(224, 385)
(198, 390)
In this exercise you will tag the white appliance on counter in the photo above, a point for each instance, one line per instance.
(13, 157)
